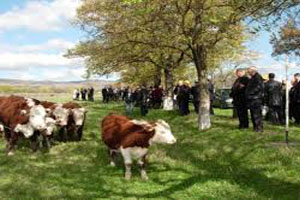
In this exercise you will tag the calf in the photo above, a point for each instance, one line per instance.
(76, 120)
(20, 115)
(133, 138)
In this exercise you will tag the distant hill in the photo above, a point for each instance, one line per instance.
(97, 83)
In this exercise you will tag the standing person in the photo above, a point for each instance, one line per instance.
(254, 97)
(104, 95)
(157, 97)
(143, 100)
(195, 91)
(239, 98)
(90, 93)
(211, 91)
(273, 99)
(183, 98)
(296, 98)
(83, 94)
(76, 94)
(129, 101)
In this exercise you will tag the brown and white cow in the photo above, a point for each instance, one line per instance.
(76, 120)
(57, 112)
(21, 115)
(132, 138)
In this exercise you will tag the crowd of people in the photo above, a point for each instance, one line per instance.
(255, 94)
(84, 94)
(249, 92)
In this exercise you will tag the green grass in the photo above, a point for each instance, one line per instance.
(221, 163)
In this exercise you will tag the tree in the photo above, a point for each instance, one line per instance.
(167, 33)
(288, 40)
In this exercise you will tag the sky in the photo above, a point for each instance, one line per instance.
(35, 34)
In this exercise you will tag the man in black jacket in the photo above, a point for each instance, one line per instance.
(239, 98)
(195, 91)
(273, 99)
(296, 98)
(254, 96)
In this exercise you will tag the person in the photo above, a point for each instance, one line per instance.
(254, 97)
(183, 98)
(91, 94)
(129, 100)
(105, 95)
(296, 98)
(157, 97)
(239, 98)
(76, 94)
(273, 99)
(211, 91)
(195, 92)
(83, 92)
(143, 99)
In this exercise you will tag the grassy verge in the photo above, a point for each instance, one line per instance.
(221, 163)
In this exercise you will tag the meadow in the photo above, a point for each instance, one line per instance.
(220, 163)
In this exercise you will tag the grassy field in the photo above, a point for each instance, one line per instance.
(221, 163)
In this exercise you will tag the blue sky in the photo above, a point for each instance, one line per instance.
(34, 34)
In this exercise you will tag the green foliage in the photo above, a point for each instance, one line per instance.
(221, 163)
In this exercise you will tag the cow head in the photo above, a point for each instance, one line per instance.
(37, 117)
(78, 116)
(163, 133)
(61, 115)
(26, 129)
(51, 125)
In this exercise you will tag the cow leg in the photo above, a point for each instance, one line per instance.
(112, 156)
(12, 142)
(79, 133)
(34, 142)
(128, 162)
(62, 136)
(142, 164)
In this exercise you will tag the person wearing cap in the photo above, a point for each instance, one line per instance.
(239, 98)
(273, 99)
(254, 97)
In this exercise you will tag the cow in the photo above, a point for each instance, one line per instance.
(132, 138)
(76, 120)
(21, 115)
(57, 112)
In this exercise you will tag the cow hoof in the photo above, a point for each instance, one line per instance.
(127, 176)
(112, 164)
(144, 177)
(11, 153)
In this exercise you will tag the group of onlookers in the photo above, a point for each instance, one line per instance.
(184, 93)
(84, 94)
(255, 93)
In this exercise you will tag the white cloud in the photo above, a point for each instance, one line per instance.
(25, 60)
(56, 44)
(40, 15)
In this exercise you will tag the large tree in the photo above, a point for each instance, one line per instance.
(132, 31)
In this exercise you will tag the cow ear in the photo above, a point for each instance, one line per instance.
(149, 128)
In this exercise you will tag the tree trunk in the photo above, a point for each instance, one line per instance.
(204, 107)
(169, 80)
(169, 85)
(157, 78)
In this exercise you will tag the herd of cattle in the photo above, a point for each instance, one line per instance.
(31, 118)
